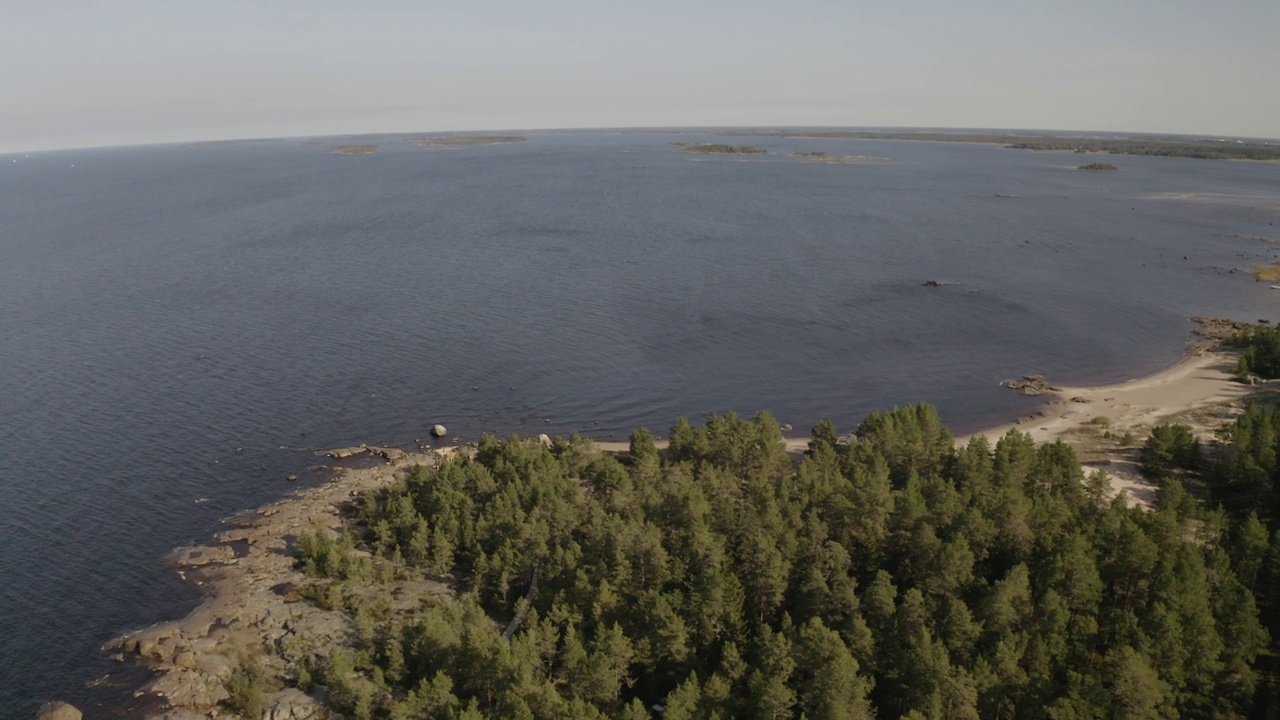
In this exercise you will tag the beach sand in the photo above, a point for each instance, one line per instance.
(1200, 391)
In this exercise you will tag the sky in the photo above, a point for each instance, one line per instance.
(83, 73)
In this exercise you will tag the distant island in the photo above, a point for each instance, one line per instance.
(717, 149)
(1098, 166)
(1270, 272)
(355, 150)
(821, 157)
(1160, 145)
(464, 140)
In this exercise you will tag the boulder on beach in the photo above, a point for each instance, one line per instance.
(58, 710)
(439, 431)
(545, 439)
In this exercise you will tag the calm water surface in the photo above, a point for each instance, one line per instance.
(162, 307)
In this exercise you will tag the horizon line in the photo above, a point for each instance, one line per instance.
(729, 129)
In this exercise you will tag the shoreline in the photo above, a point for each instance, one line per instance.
(251, 599)
(1200, 390)
(253, 608)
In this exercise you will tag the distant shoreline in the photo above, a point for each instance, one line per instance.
(917, 134)
(1144, 145)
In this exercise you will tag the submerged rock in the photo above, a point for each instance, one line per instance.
(59, 710)
(201, 555)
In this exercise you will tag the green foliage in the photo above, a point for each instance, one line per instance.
(1244, 474)
(248, 688)
(1170, 447)
(319, 555)
(1099, 166)
(891, 576)
(1259, 351)
(716, 148)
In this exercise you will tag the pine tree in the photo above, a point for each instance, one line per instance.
(829, 683)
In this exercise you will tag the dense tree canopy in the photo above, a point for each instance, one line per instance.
(889, 576)
(1259, 351)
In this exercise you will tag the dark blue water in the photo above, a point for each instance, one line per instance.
(162, 307)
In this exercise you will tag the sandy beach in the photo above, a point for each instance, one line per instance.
(1200, 391)
(1199, 381)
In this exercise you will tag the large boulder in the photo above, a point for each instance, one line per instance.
(439, 431)
(389, 454)
(189, 689)
(291, 704)
(344, 453)
(58, 710)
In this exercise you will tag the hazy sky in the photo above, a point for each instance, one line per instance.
(89, 72)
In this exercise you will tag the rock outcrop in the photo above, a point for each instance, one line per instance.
(292, 704)
(252, 608)
(1219, 328)
(199, 556)
(344, 453)
(390, 454)
(1030, 385)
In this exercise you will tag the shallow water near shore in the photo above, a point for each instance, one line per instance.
(182, 327)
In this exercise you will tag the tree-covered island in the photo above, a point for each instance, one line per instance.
(354, 150)
(718, 149)
(453, 141)
(1159, 145)
(887, 575)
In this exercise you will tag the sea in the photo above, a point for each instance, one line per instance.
(184, 326)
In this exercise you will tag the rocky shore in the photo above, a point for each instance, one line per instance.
(252, 612)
